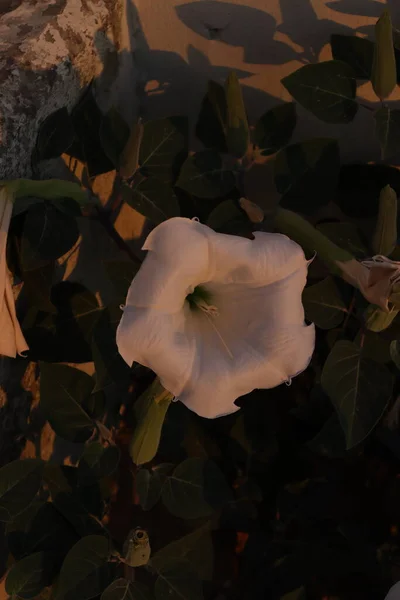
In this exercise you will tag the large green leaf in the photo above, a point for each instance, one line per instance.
(387, 126)
(306, 174)
(114, 135)
(395, 352)
(195, 550)
(48, 234)
(384, 73)
(150, 410)
(211, 124)
(123, 589)
(83, 574)
(152, 198)
(148, 487)
(346, 236)
(178, 583)
(323, 304)
(55, 135)
(195, 489)
(29, 576)
(97, 461)
(129, 162)
(327, 89)
(19, 483)
(164, 147)
(275, 128)
(385, 234)
(359, 389)
(237, 128)
(377, 319)
(62, 392)
(355, 51)
(226, 213)
(206, 174)
(121, 274)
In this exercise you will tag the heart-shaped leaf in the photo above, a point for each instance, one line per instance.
(123, 589)
(275, 128)
(19, 483)
(323, 304)
(355, 51)
(148, 487)
(164, 147)
(29, 576)
(152, 198)
(97, 461)
(206, 175)
(178, 583)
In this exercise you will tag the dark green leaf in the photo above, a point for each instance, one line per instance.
(37, 287)
(323, 304)
(129, 162)
(306, 174)
(97, 461)
(395, 352)
(114, 134)
(55, 136)
(123, 589)
(387, 126)
(152, 198)
(83, 574)
(29, 576)
(178, 583)
(195, 489)
(237, 128)
(121, 274)
(206, 175)
(223, 214)
(164, 147)
(355, 51)
(150, 411)
(359, 389)
(195, 550)
(275, 128)
(346, 236)
(375, 346)
(211, 124)
(19, 483)
(327, 89)
(48, 234)
(148, 487)
(62, 392)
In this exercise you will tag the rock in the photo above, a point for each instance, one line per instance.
(48, 52)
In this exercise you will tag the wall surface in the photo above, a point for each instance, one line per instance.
(180, 44)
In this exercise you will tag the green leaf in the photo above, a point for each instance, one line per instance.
(395, 352)
(223, 214)
(237, 128)
(375, 346)
(195, 550)
(306, 174)
(55, 136)
(19, 483)
(387, 127)
(359, 389)
(377, 319)
(129, 163)
(323, 304)
(82, 574)
(385, 234)
(164, 147)
(48, 234)
(150, 410)
(148, 487)
(29, 576)
(326, 89)
(384, 75)
(152, 198)
(195, 489)
(211, 124)
(114, 135)
(275, 128)
(206, 175)
(62, 392)
(355, 51)
(121, 274)
(178, 583)
(346, 236)
(123, 589)
(96, 462)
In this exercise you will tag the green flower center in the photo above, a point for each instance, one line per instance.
(198, 297)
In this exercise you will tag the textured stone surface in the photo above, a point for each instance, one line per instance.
(48, 52)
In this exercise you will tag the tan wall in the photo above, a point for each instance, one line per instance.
(263, 40)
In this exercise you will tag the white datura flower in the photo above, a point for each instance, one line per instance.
(12, 341)
(217, 316)
(394, 592)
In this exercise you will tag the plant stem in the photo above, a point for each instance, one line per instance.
(114, 235)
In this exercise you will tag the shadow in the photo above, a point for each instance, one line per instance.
(315, 35)
(237, 25)
(364, 8)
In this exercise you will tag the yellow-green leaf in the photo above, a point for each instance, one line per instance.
(383, 75)
(377, 319)
(385, 235)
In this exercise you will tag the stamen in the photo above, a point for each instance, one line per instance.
(211, 312)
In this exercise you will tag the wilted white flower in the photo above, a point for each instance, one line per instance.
(12, 341)
(217, 316)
